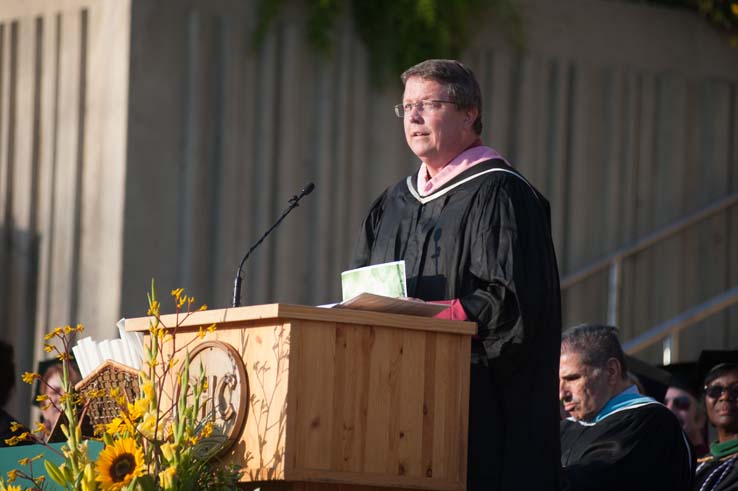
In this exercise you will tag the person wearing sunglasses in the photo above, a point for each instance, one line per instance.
(475, 234)
(615, 438)
(683, 399)
(719, 470)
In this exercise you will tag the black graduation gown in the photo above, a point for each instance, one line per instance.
(485, 239)
(641, 448)
(717, 474)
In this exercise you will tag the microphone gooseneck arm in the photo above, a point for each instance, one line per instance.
(294, 203)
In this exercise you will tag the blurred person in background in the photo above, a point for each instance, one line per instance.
(683, 399)
(51, 388)
(7, 384)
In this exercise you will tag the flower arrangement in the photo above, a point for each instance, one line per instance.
(160, 440)
(723, 14)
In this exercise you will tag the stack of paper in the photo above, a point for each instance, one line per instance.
(127, 350)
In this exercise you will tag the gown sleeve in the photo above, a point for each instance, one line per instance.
(512, 262)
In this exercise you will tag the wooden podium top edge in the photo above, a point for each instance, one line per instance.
(223, 317)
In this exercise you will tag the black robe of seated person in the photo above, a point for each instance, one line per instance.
(640, 448)
(717, 474)
(484, 238)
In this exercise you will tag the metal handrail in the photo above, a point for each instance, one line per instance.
(614, 260)
(682, 321)
(649, 240)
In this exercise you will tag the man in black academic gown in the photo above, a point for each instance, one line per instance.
(615, 438)
(474, 233)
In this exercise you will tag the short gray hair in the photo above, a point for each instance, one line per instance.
(457, 78)
(596, 343)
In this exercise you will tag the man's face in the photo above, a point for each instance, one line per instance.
(438, 136)
(54, 390)
(583, 389)
(722, 410)
(684, 407)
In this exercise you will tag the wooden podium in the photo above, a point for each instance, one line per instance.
(341, 399)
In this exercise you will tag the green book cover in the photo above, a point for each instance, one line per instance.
(387, 279)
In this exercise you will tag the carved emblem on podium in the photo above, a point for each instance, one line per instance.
(227, 394)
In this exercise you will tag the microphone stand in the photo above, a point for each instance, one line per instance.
(294, 203)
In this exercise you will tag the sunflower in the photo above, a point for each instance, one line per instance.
(118, 464)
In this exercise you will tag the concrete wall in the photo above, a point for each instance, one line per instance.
(63, 109)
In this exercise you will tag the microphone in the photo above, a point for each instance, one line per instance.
(294, 203)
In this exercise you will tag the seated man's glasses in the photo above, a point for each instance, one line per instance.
(717, 390)
(430, 105)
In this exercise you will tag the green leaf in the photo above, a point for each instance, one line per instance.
(55, 473)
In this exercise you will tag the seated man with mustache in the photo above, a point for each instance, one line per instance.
(615, 438)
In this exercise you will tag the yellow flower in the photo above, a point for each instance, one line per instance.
(40, 428)
(118, 464)
(12, 475)
(154, 308)
(13, 488)
(166, 477)
(15, 440)
(29, 377)
(88, 478)
(148, 390)
(15, 426)
(138, 409)
(207, 430)
(116, 425)
(147, 427)
(169, 450)
(55, 332)
(116, 395)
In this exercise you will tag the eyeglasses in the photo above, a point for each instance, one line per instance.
(680, 402)
(717, 390)
(430, 106)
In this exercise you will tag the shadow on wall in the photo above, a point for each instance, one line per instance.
(19, 265)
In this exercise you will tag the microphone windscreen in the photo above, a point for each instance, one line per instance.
(308, 189)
